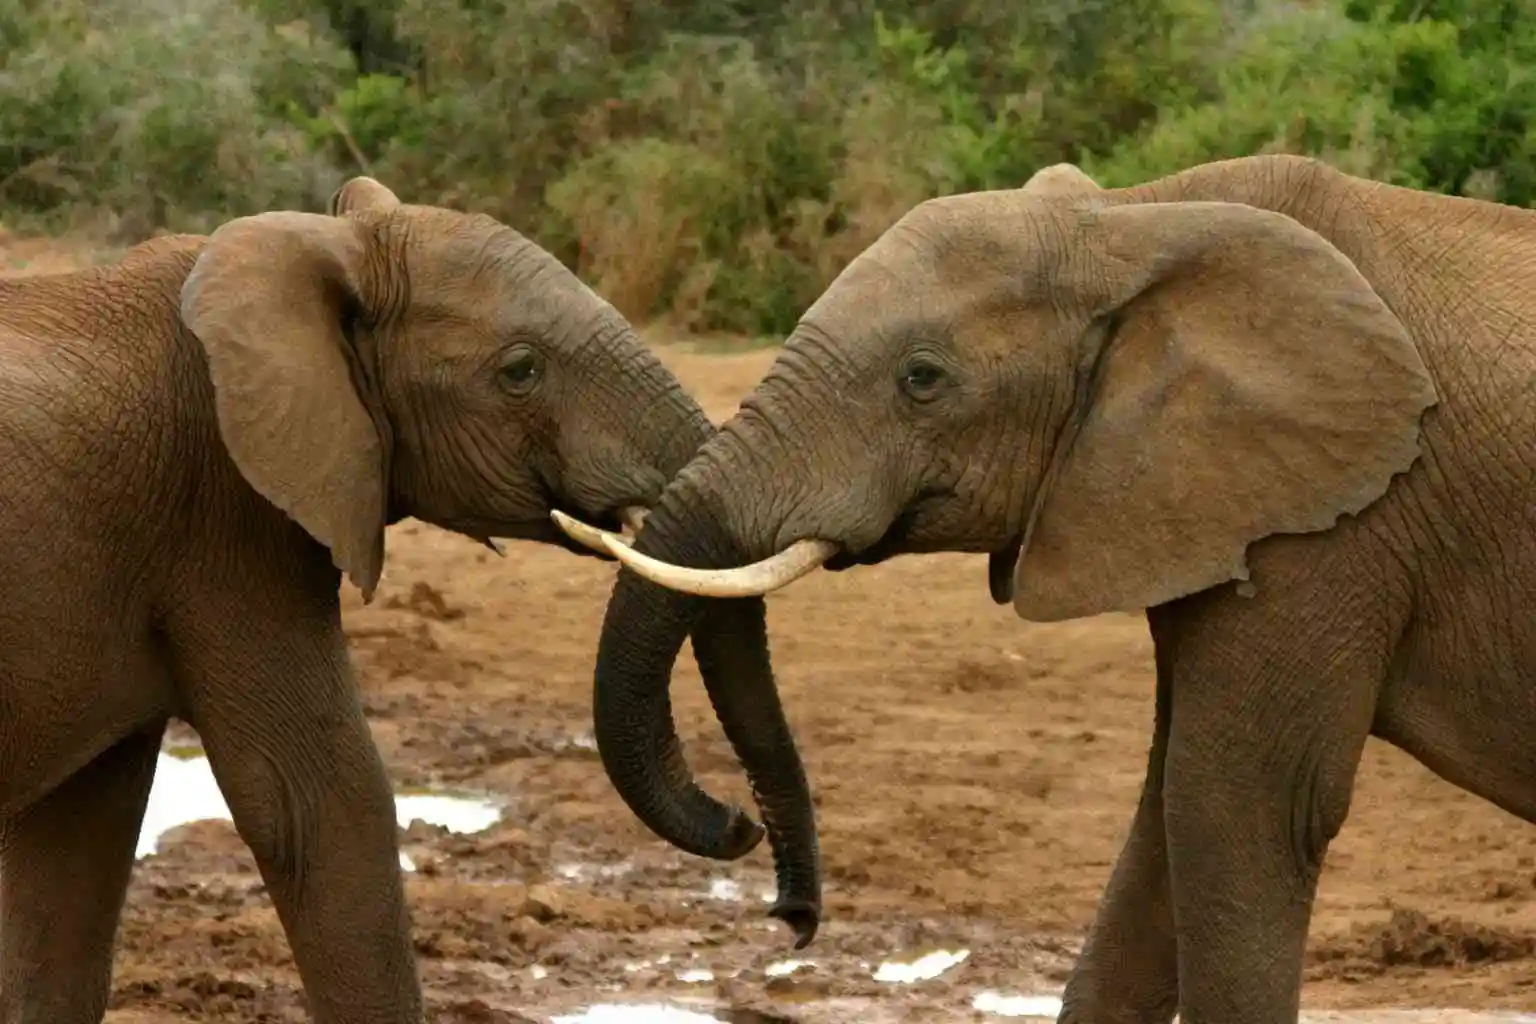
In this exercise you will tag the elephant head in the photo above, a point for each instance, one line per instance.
(1110, 398)
(389, 360)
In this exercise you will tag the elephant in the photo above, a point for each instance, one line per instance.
(1282, 411)
(196, 443)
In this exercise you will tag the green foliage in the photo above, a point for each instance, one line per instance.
(1431, 95)
(718, 162)
(167, 115)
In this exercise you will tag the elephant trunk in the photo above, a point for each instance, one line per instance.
(642, 634)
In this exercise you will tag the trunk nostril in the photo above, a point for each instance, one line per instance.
(803, 918)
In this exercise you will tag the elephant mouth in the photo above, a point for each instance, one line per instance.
(622, 521)
(894, 541)
(582, 538)
(904, 536)
(613, 521)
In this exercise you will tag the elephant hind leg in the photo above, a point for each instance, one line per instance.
(65, 863)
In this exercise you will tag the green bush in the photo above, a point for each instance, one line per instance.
(717, 162)
(172, 114)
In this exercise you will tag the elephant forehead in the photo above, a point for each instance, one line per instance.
(906, 283)
(1010, 232)
(465, 251)
(481, 270)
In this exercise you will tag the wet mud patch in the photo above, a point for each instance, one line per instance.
(1411, 938)
(1441, 956)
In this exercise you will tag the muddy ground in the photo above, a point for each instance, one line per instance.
(975, 776)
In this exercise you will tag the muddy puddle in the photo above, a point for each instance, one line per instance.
(185, 792)
(636, 1013)
(983, 1008)
(733, 971)
(782, 1002)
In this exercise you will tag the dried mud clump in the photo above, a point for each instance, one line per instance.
(1411, 939)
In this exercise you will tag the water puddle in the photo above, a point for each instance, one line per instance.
(924, 968)
(579, 871)
(636, 1013)
(728, 890)
(687, 975)
(464, 814)
(986, 1005)
(583, 741)
(185, 791)
(1000, 1005)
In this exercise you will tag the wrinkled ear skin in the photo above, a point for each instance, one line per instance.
(267, 299)
(1245, 380)
(361, 193)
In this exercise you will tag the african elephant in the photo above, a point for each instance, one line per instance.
(1283, 410)
(194, 444)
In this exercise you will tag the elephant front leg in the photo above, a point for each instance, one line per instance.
(274, 701)
(1128, 970)
(1261, 761)
(65, 863)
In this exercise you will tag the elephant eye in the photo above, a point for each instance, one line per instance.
(521, 370)
(922, 380)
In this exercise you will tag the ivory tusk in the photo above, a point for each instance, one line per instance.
(581, 533)
(753, 580)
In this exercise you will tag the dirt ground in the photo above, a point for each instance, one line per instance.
(975, 776)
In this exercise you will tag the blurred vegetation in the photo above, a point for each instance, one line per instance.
(717, 162)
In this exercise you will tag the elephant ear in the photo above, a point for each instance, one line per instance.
(267, 299)
(361, 193)
(1244, 380)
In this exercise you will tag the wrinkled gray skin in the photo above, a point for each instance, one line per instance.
(192, 443)
(1284, 410)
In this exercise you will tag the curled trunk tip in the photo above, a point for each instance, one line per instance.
(802, 916)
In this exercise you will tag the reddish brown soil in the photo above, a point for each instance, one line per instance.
(975, 775)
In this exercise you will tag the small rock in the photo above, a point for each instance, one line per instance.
(544, 903)
(1501, 890)
(528, 933)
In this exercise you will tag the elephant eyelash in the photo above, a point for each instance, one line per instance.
(924, 377)
(935, 378)
(521, 370)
